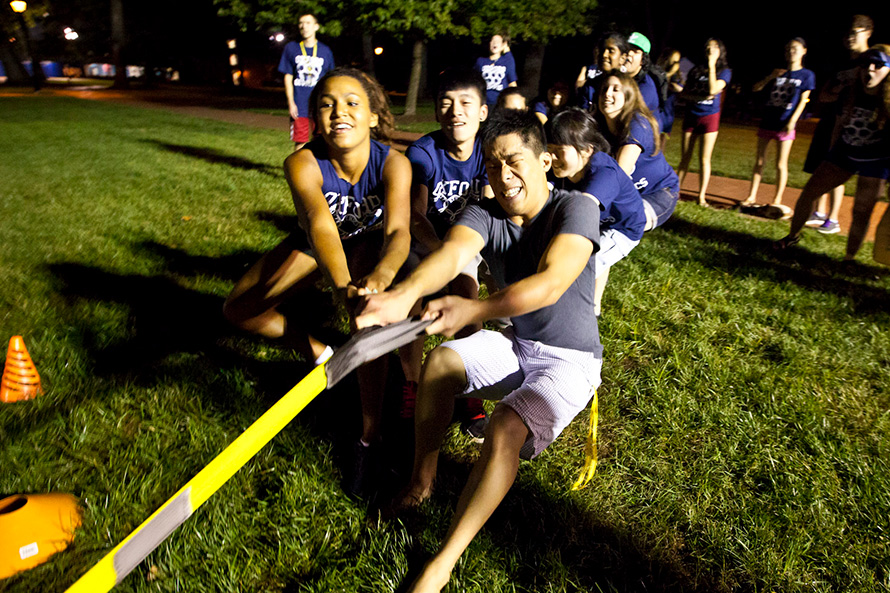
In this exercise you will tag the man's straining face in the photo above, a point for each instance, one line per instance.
(517, 175)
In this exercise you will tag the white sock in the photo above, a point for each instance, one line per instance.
(323, 358)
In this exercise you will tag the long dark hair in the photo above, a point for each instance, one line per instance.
(576, 128)
(619, 39)
(722, 62)
(634, 106)
(701, 70)
(378, 102)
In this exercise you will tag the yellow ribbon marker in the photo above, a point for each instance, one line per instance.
(589, 467)
(365, 345)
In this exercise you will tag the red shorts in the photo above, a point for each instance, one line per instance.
(301, 129)
(701, 125)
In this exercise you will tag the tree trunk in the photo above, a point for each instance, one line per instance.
(416, 71)
(118, 41)
(15, 72)
(531, 70)
(368, 53)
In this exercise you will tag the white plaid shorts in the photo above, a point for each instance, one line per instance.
(546, 385)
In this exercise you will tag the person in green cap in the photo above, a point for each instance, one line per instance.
(648, 76)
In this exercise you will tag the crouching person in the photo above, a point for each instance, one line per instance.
(539, 245)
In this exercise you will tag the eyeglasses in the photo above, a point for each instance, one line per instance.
(855, 32)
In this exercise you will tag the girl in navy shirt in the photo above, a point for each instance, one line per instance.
(352, 196)
(581, 162)
(703, 92)
(789, 91)
(633, 135)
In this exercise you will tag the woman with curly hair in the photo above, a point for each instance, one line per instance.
(352, 197)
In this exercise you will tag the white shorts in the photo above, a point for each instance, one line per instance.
(546, 385)
(614, 245)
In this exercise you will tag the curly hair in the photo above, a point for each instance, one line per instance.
(378, 101)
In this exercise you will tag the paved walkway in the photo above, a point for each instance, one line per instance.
(241, 108)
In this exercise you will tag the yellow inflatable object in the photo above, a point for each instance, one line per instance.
(33, 528)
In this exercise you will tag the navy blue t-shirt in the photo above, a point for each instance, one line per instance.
(620, 203)
(356, 208)
(784, 97)
(514, 252)
(652, 172)
(451, 184)
(862, 137)
(649, 91)
(498, 75)
(698, 78)
(307, 65)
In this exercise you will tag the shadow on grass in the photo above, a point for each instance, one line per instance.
(282, 222)
(554, 544)
(176, 335)
(749, 256)
(211, 155)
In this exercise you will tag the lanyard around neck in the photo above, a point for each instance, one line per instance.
(314, 49)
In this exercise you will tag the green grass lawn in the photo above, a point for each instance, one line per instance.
(743, 415)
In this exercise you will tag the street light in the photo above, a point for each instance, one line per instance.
(18, 6)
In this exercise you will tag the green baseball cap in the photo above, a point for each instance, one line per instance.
(639, 40)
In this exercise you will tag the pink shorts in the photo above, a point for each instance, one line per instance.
(701, 125)
(781, 136)
(301, 129)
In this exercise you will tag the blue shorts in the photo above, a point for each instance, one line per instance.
(659, 205)
(866, 166)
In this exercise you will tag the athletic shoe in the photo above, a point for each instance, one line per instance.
(409, 400)
(360, 480)
(816, 219)
(475, 427)
(829, 227)
(472, 417)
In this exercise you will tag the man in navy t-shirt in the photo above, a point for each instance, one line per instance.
(448, 174)
(539, 244)
(303, 64)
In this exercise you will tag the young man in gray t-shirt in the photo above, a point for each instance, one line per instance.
(539, 244)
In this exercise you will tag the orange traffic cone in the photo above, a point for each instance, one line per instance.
(20, 379)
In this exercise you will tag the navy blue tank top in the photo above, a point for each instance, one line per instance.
(356, 208)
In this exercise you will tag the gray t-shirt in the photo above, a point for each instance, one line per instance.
(513, 253)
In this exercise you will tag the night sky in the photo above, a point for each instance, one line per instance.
(189, 36)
